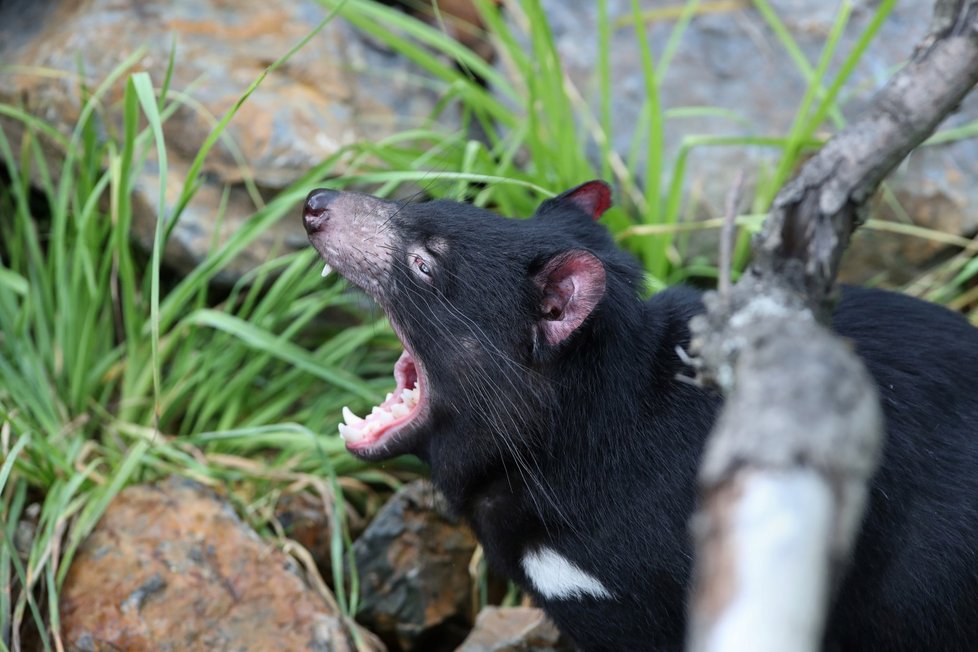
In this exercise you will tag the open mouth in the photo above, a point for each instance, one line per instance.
(383, 431)
(401, 407)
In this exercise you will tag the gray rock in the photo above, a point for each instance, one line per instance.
(338, 89)
(413, 560)
(729, 58)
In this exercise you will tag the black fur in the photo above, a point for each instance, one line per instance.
(590, 445)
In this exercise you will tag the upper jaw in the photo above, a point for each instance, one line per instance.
(353, 234)
(348, 269)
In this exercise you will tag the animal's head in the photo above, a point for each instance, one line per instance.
(487, 308)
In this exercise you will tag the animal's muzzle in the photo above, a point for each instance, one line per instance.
(315, 213)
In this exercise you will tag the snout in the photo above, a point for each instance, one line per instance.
(315, 212)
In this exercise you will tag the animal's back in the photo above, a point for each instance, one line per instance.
(913, 581)
(915, 567)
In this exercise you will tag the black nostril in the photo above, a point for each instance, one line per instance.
(315, 213)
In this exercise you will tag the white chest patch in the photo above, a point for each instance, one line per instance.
(555, 576)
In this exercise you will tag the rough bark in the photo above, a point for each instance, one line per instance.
(801, 432)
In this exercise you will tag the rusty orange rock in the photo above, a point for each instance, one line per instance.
(512, 629)
(172, 567)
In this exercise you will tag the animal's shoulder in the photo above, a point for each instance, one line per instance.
(898, 333)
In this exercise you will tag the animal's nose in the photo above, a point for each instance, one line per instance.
(315, 213)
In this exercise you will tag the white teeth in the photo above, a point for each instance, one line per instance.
(399, 410)
(357, 429)
(410, 397)
(388, 397)
(326, 270)
(350, 418)
(350, 434)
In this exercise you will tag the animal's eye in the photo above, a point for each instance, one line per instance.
(422, 266)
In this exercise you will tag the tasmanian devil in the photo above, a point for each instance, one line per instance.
(544, 393)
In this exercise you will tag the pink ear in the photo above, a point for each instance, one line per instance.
(593, 197)
(572, 284)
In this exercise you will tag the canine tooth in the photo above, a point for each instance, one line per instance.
(350, 434)
(399, 410)
(326, 270)
(350, 417)
(388, 397)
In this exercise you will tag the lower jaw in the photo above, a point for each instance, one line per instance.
(389, 446)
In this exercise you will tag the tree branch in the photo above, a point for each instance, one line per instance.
(784, 476)
(816, 212)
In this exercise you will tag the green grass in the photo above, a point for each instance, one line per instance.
(113, 372)
(107, 377)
